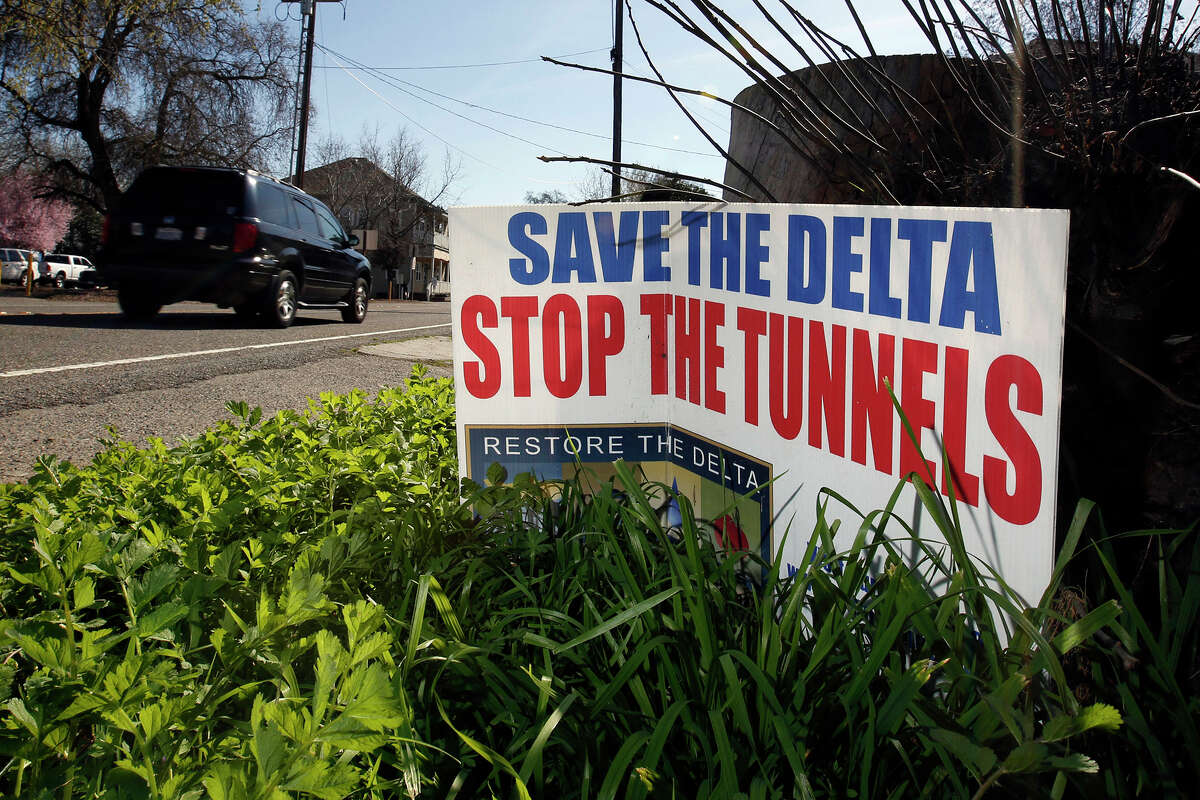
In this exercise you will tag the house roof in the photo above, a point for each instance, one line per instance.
(361, 168)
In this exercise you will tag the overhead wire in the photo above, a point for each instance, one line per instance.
(392, 81)
(440, 138)
(482, 64)
(326, 51)
(695, 105)
(395, 108)
(720, 125)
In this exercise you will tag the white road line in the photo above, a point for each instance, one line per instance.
(17, 373)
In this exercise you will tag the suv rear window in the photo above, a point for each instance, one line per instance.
(185, 192)
(53, 259)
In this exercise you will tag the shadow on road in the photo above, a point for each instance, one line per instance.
(172, 321)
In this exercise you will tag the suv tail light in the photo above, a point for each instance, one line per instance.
(245, 234)
(104, 230)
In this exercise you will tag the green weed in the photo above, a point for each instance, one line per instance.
(313, 605)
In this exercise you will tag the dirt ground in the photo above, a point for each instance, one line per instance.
(69, 292)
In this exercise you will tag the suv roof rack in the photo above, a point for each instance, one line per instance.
(260, 174)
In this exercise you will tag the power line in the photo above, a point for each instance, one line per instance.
(484, 64)
(393, 106)
(718, 124)
(392, 81)
(441, 139)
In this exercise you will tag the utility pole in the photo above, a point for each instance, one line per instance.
(616, 62)
(302, 140)
(307, 8)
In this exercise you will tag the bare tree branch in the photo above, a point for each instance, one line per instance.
(691, 118)
(626, 164)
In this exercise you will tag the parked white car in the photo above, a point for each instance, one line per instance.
(14, 262)
(61, 269)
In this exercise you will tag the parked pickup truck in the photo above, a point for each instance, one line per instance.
(61, 269)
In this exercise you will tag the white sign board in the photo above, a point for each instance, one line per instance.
(368, 239)
(742, 353)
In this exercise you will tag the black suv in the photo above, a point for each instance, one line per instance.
(231, 237)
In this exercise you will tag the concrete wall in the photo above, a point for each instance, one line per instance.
(840, 97)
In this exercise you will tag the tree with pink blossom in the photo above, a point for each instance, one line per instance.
(36, 223)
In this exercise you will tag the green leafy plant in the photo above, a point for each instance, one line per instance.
(313, 605)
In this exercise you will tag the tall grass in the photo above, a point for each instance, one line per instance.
(647, 667)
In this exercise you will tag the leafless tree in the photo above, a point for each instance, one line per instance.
(637, 184)
(388, 186)
(546, 197)
(99, 89)
(595, 185)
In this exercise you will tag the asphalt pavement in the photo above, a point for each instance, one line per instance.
(71, 368)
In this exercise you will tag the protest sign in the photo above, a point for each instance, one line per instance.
(743, 353)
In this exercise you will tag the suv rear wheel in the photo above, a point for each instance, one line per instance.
(280, 310)
(356, 310)
(136, 304)
(60, 280)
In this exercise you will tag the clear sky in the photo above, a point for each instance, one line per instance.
(421, 51)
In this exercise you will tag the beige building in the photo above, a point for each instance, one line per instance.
(429, 271)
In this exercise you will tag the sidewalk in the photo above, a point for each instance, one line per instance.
(428, 349)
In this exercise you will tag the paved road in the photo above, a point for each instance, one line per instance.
(70, 368)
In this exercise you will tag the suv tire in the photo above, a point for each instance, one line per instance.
(60, 280)
(356, 308)
(280, 308)
(137, 305)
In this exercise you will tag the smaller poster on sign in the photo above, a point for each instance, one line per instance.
(748, 356)
(727, 488)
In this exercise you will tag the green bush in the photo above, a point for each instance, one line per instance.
(309, 605)
(211, 618)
